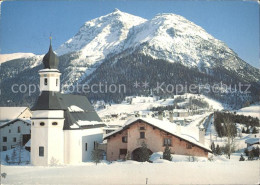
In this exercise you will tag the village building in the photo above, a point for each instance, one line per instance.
(252, 143)
(15, 127)
(156, 134)
(65, 127)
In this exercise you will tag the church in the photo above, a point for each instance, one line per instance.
(65, 128)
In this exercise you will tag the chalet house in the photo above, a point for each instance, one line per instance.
(15, 127)
(157, 134)
(252, 142)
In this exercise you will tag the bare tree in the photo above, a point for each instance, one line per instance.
(230, 129)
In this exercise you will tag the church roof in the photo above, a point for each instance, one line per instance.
(50, 60)
(49, 100)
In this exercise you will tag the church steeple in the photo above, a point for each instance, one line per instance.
(50, 60)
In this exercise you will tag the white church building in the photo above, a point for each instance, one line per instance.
(64, 127)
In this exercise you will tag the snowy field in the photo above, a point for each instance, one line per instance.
(253, 110)
(130, 172)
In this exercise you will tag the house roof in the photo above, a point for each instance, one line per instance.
(165, 126)
(76, 108)
(4, 124)
(10, 113)
(252, 141)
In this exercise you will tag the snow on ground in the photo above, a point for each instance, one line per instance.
(253, 110)
(146, 103)
(7, 57)
(130, 172)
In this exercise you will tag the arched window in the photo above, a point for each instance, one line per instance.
(54, 123)
(18, 129)
(42, 123)
(45, 81)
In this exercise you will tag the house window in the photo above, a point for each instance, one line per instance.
(95, 145)
(33, 123)
(4, 139)
(14, 139)
(18, 129)
(45, 81)
(86, 146)
(188, 146)
(42, 123)
(57, 82)
(9, 130)
(123, 151)
(4, 148)
(54, 123)
(142, 128)
(124, 139)
(142, 135)
(167, 142)
(41, 151)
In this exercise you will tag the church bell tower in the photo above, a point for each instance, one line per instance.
(47, 136)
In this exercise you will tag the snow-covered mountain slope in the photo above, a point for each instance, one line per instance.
(175, 39)
(253, 110)
(7, 57)
(101, 36)
(167, 36)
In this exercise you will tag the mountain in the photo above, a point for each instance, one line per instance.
(7, 57)
(120, 48)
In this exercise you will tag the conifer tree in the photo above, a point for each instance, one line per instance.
(218, 150)
(213, 147)
(7, 158)
(241, 158)
(144, 154)
(96, 155)
(167, 153)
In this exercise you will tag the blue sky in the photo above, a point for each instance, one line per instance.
(25, 26)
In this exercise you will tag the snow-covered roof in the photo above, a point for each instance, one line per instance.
(252, 141)
(74, 108)
(10, 113)
(3, 124)
(253, 146)
(163, 125)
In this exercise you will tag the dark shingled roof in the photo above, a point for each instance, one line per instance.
(50, 60)
(49, 100)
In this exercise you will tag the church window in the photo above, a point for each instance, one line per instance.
(54, 123)
(86, 146)
(18, 129)
(57, 82)
(95, 145)
(45, 81)
(42, 123)
(41, 151)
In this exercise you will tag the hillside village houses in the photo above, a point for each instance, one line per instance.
(15, 127)
(65, 128)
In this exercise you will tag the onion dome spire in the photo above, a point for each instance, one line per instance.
(50, 60)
